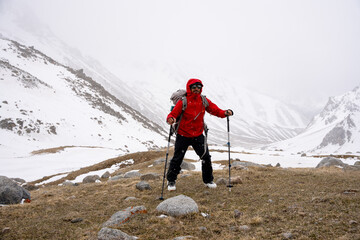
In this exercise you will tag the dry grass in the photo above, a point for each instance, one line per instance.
(309, 203)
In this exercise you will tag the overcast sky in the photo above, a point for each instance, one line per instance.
(293, 49)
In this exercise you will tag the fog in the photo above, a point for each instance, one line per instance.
(301, 52)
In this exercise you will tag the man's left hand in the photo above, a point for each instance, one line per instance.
(229, 112)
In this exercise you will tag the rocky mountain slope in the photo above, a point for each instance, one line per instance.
(46, 104)
(336, 129)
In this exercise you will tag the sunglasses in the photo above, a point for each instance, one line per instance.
(196, 86)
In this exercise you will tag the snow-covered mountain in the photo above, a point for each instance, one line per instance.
(147, 86)
(336, 129)
(45, 104)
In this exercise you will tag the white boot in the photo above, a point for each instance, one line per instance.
(171, 186)
(211, 185)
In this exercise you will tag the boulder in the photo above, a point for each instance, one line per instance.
(106, 175)
(143, 185)
(91, 179)
(178, 206)
(149, 176)
(11, 192)
(113, 234)
(132, 174)
(330, 161)
(115, 178)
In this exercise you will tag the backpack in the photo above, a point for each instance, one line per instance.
(181, 95)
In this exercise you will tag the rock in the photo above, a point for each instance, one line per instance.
(202, 229)
(143, 185)
(76, 220)
(357, 163)
(236, 180)
(30, 187)
(237, 213)
(149, 176)
(278, 165)
(132, 174)
(233, 180)
(303, 155)
(113, 234)
(106, 175)
(178, 206)
(121, 217)
(184, 238)
(19, 180)
(160, 161)
(68, 183)
(184, 175)
(130, 198)
(330, 161)
(353, 222)
(222, 181)
(351, 168)
(187, 166)
(244, 228)
(11, 192)
(239, 167)
(91, 179)
(115, 178)
(246, 164)
(5, 230)
(287, 235)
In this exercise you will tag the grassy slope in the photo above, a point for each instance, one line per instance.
(309, 203)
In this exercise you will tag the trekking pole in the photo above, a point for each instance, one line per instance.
(166, 158)
(228, 130)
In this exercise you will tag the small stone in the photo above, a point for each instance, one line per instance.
(353, 222)
(236, 180)
(287, 235)
(237, 213)
(244, 228)
(302, 214)
(278, 165)
(202, 229)
(5, 230)
(130, 198)
(76, 220)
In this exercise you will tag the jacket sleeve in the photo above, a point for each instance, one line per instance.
(215, 110)
(175, 113)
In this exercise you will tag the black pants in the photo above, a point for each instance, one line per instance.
(181, 145)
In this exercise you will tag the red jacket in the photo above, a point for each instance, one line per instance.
(192, 122)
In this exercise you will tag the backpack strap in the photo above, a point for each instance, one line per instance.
(184, 102)
(204, 101)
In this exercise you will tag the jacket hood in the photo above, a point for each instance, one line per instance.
(191, 82)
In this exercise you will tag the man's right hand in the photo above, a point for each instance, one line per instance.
(171, 120)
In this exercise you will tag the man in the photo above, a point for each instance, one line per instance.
(190, 132)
